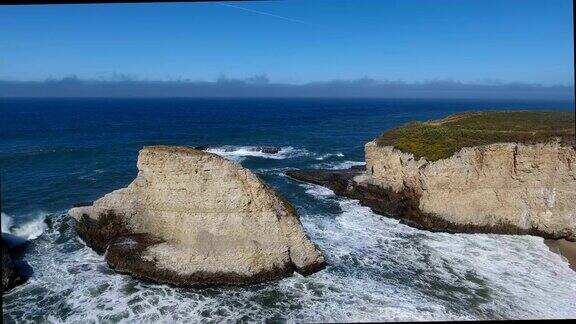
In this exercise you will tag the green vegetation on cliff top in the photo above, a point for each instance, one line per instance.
(439, 139)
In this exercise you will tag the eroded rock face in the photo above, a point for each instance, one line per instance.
(503, 188)
(499, 188)
(194, 218)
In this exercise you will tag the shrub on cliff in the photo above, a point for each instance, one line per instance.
(440, 139)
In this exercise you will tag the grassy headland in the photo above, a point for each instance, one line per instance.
(439, 139)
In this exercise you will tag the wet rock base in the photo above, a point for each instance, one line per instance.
(400, 205)
(124, 252)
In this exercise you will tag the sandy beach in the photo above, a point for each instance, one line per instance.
(564, 248)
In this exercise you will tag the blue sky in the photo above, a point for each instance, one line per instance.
(293, 41)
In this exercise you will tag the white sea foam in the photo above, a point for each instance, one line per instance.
(240, 153)
(30, 229)
(317, 191)
(6, 223)
(493, 276)
(338, 165)
(328, 155)
(378, 270)
(281, 172)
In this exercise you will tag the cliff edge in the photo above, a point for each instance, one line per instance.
(194, 218)
(428, 176)
(502, 188)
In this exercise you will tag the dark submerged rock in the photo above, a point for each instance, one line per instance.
(267, 149)
(10, 275)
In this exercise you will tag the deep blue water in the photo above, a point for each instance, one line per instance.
(58, 152)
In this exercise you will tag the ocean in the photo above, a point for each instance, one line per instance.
(58, 152)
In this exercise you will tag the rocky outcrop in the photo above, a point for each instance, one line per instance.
(351, 183)
(10, 275)
(508, 187)
(498, 188)
(194, 218)
(266, 149)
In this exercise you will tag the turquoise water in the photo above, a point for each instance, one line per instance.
(58, 152)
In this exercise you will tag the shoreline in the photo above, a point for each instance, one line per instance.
(565, 249)
(388, 204)
(402, 205)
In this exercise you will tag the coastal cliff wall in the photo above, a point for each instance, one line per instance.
(531, 188)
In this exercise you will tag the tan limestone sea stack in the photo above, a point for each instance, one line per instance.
(501, 188)
(193, 218)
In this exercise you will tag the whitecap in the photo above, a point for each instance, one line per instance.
(240, 153)
(338, 165)
(378, 270)
(281, 172)
(31, 229)
(329, 155)
(319, 192)
(455, 276)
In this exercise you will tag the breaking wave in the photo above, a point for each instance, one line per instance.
(378, 270)
(445, 276)
(240, 153)
(29, 230)
(329, 155)
(338, 165)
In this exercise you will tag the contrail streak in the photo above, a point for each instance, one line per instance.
(267, 14)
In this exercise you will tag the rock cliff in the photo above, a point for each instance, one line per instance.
(500, 187)
(194, 218)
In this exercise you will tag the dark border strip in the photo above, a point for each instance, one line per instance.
(56, 2)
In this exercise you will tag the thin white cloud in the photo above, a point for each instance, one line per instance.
(268, 14)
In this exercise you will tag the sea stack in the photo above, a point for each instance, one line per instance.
(490, 172)
(194, 218)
